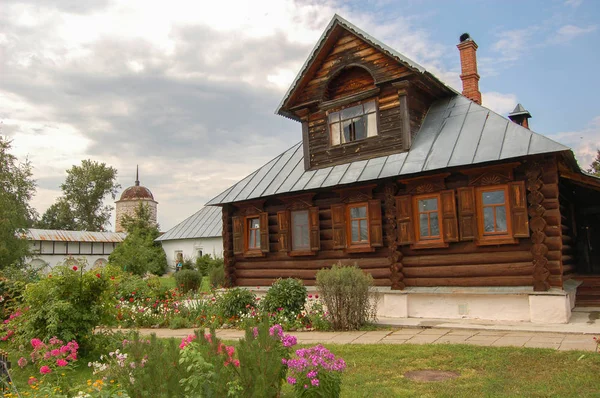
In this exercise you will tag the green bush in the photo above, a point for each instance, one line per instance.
(204, 264)
(13, 281)
(188, 280)
(287, 296)
(69, 303)
(235, 302)
(188, 263)
(216, 274)
(345, 291)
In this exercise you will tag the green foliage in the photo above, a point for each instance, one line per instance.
(81, 207)
(16, 190)
(188, 280)
(287, 296)
(595, 166)
(13, 281)
(235, 302)
(205, 263)
(216, 274)
(188, 263)
(139, 253)
(68, 304)
(345, 291)
(261, 352)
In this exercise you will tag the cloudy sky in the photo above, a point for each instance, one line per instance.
(187, 89)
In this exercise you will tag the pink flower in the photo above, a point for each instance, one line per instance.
(22, 362)
(62, 362)
(236, 363)
(230, 350)
(314, 382)
(32, 380)
(55, 352)
(291, 380)
(45, 370)
(35, 343)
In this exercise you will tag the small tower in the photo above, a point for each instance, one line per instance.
(520, 116)
(130, 200)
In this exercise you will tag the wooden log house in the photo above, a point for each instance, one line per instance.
(453, 209)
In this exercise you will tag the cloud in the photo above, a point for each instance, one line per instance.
(585, 143)
(573, 3)
(567, 33)
(498, 102)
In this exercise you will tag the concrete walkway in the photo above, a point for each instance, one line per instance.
(435, 335)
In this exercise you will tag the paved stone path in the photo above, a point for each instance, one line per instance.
(488, 338)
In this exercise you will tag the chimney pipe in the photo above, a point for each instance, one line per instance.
(520, 116)
(468, 65)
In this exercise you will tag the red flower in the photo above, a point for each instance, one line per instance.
(131, 300)
(112, 277)
(316, 296)
(74, 268)
(98, 275)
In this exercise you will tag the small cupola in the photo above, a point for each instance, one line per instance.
(520, 116)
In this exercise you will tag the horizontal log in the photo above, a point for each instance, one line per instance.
(309, 262)
(554, 242)
(550, 191)
(471, 282)
(468, 258)
(331, 255)
(566, 259)
(307, 282)
(513, 269)
(299, 273)
(568, 269)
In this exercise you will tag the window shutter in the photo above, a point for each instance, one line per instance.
(338, 225)
(467, 213)
(449, 221)
(283, 220)
(238, 235)
(404, 216)
(264, 232)
(375, 223)
(518, 209)
(313, 222)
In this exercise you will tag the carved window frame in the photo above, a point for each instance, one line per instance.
(366, 244)
(293, 204)
(425, 242)
(493, 238)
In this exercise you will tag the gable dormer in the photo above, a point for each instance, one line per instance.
(357, 98)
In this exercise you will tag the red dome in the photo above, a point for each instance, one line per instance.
(136, 192)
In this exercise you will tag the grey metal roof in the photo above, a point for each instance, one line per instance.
(455, 132)
(205, 223)
(519, 110)
(54, 235)
(337, 20)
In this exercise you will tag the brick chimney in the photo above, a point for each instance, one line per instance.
(468, 66)
(520, 116)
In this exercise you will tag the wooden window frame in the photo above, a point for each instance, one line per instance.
(339, 109)
(300, 251)
(495, 238)
(428, 243)
(361, 246)
(251, 251)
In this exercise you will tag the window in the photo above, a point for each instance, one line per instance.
(429, 228)
(353, 123)
(253, 233)
(359, 224)
(300, 230)
(494, 214)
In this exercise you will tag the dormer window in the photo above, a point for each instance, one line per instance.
(353, 123)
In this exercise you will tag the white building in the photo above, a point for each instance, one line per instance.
(195, 236)
(51, 247)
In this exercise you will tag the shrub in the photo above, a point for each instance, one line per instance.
(205, 263)
(13, 281)
(315, 372)
(345, 291)
(188, 263)
(287, 296)
(68, 304)
(235, 302)
(216, 274)
(188, 280)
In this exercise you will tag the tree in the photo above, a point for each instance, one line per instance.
(595, 166)
(81, 207)
(139, 253)
(16, 189)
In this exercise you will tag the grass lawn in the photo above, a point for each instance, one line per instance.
(169, 283)
(377, 371)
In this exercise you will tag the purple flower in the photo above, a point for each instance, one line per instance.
(314, 382)
(291, 380)
(312, 374)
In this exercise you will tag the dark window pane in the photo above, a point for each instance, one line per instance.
(347, 132)
(488, 219)
(493, 197)
(434, 224)
(360, 132)
(254, 223)
(257, 234)
(428, 204)
(423, 228)
(364, 233)
(300, 230)
(501, 219)
(358, 212)
(355, 224)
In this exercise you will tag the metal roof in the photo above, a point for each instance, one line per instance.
(519, 110)
(55, 235)
(205, 223)
(337, 20)
(455, 132)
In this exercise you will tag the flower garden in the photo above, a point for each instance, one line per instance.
(71, 333)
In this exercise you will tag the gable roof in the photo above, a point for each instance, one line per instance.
(205, 223)
(55, 235)
(455, 132)
(339, 21)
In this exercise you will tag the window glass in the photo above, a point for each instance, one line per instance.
(429, 226)
(501, 219)
(355, 229)
(359, 224)
(253, 233)
(300, 230)
(356, 212)
(434, 224)
(493, 197)
(354, 123)
(488, 219)
(494, 212)
(428, 204)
